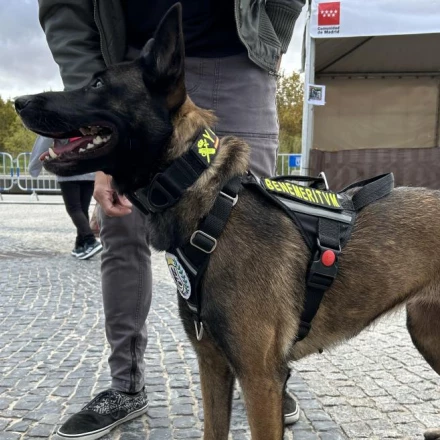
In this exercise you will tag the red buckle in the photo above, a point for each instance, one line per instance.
(328, 258)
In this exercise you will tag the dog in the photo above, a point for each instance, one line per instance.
(254, 285)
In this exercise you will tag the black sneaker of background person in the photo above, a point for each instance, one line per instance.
(77, 251)
(90, 249)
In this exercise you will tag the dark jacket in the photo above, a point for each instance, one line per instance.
(85, 36)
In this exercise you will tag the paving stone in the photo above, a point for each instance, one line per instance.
(54, 354)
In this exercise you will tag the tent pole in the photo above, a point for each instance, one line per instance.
(308, 113)
(437, 122)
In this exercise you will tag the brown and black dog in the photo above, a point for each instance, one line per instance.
(254, 285)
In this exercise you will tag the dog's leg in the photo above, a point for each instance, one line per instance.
(263, 395)
(424, 327)
(217, 382)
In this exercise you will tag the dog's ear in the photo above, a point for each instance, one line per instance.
(164, 58)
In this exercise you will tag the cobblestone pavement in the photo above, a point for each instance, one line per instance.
(53, 354)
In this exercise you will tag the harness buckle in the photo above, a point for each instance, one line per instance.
(323, 270)
(199, 330)
(204, 242)
(232, 199)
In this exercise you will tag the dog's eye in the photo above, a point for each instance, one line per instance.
(97, 84)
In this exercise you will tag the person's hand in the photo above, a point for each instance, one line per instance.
(112, 203)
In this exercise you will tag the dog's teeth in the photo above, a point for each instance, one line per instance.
(52, 154)
(81, 150)
(90, 146)
(46, 158)
(98, 140)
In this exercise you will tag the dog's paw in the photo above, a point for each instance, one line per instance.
(432, 434)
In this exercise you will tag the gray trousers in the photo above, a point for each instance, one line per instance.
(243, 98)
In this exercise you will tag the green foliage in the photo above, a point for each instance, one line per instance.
(290, 93)
(14, 137)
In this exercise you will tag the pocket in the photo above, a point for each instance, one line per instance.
(193, 74)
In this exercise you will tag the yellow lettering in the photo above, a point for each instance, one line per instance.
(268, 183)
(283, 187)
(303, 193)
(297, 191)
(276, 185)
(327, 199)
(310, 195)
(318, 193)
(334, 200)
(290, 189)
(207, 135)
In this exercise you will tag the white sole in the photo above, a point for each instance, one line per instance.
(101, 432)
(290, 419)
(90, 255)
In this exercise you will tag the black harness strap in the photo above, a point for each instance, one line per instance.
(167, 187)
(372, 189)
(321, 273)
(194, 255)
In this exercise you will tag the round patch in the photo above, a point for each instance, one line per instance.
(179, 275)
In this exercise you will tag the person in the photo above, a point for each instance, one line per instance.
(77, 194)
(233, 51)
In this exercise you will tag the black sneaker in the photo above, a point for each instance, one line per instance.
(90, 250)
(290, 409)
(78, 251)
(106, 411)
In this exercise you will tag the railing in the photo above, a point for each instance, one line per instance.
(45, 182)
(6, 172)
(14, 173)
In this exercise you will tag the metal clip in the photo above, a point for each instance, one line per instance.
(232, 199)
(324, 178)
(199, 333)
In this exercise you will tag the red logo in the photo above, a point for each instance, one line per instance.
(329, 14)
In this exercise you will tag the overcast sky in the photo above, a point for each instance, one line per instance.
(26, 65)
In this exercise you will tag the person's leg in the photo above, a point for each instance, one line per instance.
(85, 194)
(243, 97)
(126, 290)
(70, 190)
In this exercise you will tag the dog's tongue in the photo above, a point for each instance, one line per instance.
(60, 146)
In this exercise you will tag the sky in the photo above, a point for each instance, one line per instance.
(27, 66)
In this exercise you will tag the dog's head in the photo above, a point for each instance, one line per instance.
(122, 118)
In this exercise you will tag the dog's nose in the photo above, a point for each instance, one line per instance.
(21, 102)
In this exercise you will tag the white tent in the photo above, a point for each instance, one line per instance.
(380, 63)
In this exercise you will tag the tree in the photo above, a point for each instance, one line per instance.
(290, 98)
(14, 137)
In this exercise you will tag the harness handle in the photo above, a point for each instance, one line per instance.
(371, 190)
(315, 182)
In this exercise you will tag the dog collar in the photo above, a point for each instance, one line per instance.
(167, 187)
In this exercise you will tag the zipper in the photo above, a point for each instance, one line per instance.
(101, 31)
(133, 365)
(237, 21)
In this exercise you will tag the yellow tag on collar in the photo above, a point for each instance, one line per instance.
(207, 144)
(325, 199)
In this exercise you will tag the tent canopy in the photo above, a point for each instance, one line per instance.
(378, 60)
(365, 18)
(388, 55)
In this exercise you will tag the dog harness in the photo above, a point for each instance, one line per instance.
(324, 218)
